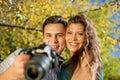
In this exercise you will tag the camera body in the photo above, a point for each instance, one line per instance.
(43, 58)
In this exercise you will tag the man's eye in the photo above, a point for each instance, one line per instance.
(60, 35)
(48, 35)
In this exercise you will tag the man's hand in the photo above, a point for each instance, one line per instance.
(16, 70)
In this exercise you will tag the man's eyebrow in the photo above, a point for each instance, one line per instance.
(55, 33)
(60, 33)
(47, 33)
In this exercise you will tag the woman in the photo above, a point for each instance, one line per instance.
(84, 62)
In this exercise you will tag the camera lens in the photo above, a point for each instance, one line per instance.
(33, 73)
(37, 66)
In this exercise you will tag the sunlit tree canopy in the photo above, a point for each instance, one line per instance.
(21, 21)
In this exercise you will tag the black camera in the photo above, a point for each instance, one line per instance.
(43, 58)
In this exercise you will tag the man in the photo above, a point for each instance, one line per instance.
(54, 29)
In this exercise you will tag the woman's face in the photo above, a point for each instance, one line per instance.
(75, 37)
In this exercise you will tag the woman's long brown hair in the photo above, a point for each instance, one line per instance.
(91, 46)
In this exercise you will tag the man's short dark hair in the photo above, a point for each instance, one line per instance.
(53, 20)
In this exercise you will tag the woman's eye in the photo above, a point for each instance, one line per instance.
(69, 32)
(80, 33)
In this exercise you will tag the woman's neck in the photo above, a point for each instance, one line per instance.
(82, 70)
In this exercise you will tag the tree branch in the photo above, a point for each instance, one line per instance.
(112, 3)
(20, 27)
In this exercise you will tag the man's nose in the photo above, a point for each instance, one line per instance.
(54, 39)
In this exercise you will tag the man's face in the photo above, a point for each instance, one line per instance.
(54, 35)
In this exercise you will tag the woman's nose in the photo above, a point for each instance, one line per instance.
(74, 37)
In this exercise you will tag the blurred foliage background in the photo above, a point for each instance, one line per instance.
(21, 21)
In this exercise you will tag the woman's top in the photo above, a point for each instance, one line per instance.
(64, 74)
